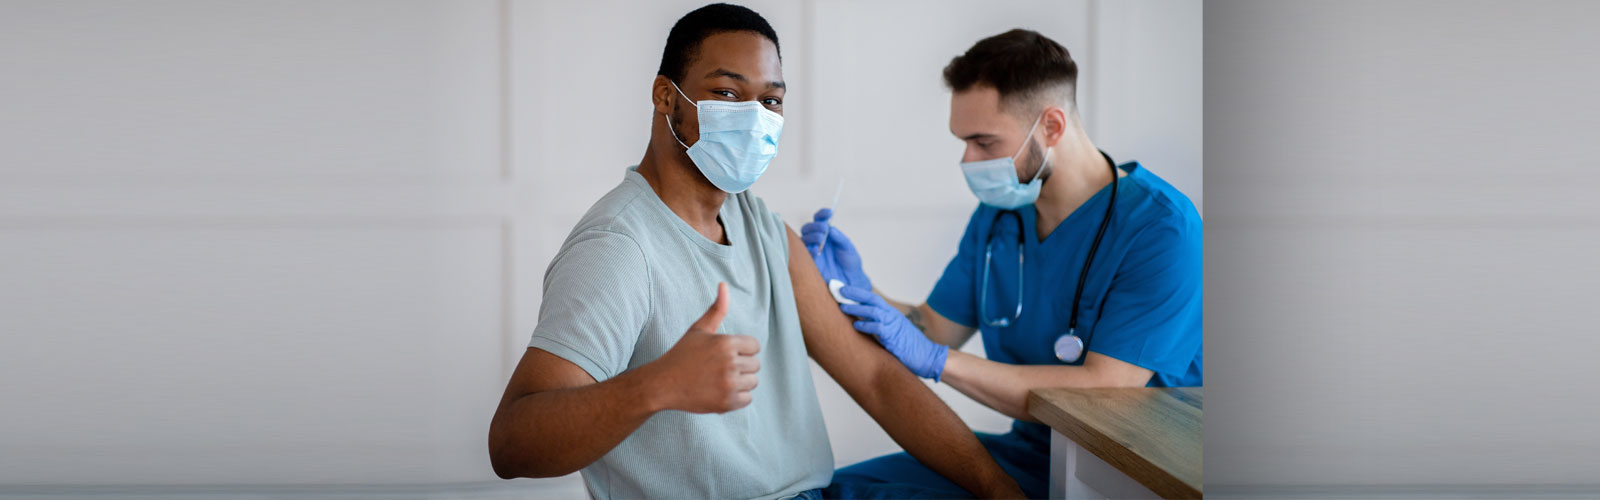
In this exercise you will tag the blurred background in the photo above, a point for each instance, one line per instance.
(295, 247)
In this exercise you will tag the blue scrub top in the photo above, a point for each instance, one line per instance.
(1141, 303)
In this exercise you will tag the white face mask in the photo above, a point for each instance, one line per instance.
(995, 181)
(737, 141)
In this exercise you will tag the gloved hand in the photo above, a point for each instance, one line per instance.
(837, 259)
(881, 320)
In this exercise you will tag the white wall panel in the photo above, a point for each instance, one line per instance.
(1417, 261)
(252, 245)
(1397, 293)
(189, 351)
(1148, 90)
(184, 91)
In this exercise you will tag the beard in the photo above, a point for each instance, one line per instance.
(1035, 157)
(677, 122)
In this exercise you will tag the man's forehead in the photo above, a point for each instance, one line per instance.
(978, 96)
(740, 55)
(977, 111)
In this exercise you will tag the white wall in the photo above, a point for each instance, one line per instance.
(250, 243)
(258, 246)
(1401, 249)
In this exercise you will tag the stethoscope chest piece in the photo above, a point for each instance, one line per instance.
(1069, 347)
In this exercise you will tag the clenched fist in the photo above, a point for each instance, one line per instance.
(707, 372)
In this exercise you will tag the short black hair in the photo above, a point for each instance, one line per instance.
(1022, 65)
(691, 29)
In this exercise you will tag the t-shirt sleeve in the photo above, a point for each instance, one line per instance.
(596, 302)
(952, 294)
(1153, 310)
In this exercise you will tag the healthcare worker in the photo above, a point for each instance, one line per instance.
(670, 355)
(1078, 271)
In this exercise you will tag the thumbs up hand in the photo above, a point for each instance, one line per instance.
(707, 372)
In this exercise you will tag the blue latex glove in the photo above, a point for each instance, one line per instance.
(881, 320)
(837, 260)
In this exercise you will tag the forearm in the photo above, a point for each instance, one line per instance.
(903, 307)
(914, 313)
(557, 432)
(935, 327)
(1004, 387)
(931, 432)
(910, 412)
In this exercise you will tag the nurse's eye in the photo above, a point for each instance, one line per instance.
(725, 93)
(772, 102)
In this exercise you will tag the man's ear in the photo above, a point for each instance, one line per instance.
(1055, 124)
(662, 96)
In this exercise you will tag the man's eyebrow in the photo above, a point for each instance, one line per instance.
(723, 72)
(977, 136)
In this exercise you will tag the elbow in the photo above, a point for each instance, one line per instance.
(502, 471)
(510, 465)
(498, 458)
(505, 472)
(522, 450)
(510, 462)
(509, 470)
(1135, 378)
(506, 457)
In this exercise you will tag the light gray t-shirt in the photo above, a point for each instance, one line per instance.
(627, 283)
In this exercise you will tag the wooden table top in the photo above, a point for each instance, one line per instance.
(1151, 434)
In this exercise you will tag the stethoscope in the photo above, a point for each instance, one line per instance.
(1068, 347)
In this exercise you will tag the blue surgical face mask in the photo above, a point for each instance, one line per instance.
(995, 181)
(737, 140)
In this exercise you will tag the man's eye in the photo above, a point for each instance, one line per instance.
(723, 93)
(772, 101)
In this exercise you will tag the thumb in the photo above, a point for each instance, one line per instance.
(841, 240)
(823, 215)
(712, 319)
(859, 294)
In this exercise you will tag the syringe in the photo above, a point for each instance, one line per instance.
(833, 284)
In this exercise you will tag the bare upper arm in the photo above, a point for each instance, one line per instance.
(831, 338)
(540, 371)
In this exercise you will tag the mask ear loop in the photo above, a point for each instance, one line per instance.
(1024, 147)
(697, 106)
(1043, 164)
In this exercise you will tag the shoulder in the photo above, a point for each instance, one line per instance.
(618, 211)
(606, 238)
(599, 253)
(766, 221)
(1155, 204)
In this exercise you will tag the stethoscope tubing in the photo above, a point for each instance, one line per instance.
(1083, 274)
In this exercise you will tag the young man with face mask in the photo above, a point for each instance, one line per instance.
(679, 291)
(1079, 272)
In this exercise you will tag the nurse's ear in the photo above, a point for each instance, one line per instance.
(1056, 123)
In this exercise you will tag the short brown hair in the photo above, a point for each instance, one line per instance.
(1022, 65)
